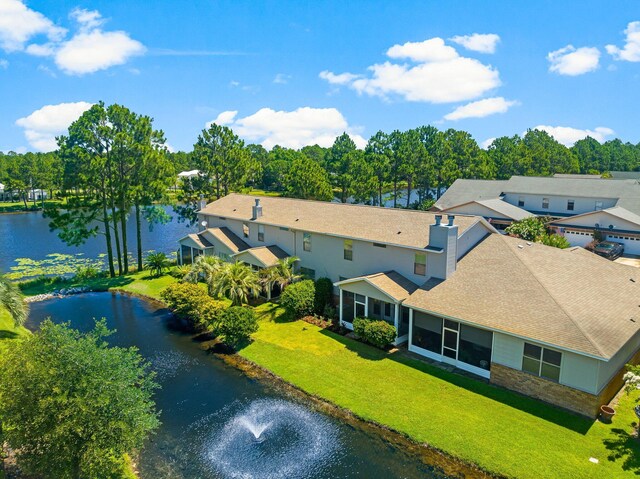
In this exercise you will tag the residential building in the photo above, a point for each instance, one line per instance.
(578, 206)
(558, 325)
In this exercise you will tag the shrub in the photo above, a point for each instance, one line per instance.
(236, 325)
(324, 295)
(180, 271)
(377, 333)
(87, 272)
(556, 241)
(529, 229)
(298, 298)
(157, 263)
(191, 303)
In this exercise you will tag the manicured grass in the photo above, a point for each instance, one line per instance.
(501, 431)
(7, 327)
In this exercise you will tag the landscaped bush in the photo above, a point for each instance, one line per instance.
(377, 333)
(324, 294)
(556, 241)
(236, 325)
(298, 298)
(192, 303)
(87, 272)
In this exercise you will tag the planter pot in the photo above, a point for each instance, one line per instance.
(606, 413)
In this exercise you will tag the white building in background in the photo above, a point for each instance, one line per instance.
(578, 205)
(554, 324)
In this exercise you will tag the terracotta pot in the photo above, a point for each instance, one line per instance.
(606, 413)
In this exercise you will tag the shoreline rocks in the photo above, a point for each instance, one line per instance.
(61, 293)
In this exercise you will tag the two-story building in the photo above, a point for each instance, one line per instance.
(578, 205)
(554, 324)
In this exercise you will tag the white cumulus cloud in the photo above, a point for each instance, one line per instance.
(487, 143)
(18, 24)
(291, 129)
(478, 42)
(568, 135)
(481, 108)
(630, 52)
(574, 61)
(438, 75)
(43, 125)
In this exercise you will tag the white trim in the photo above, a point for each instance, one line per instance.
(443, 359)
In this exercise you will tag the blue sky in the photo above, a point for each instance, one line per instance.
(300, 72)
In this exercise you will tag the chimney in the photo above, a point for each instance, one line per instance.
(443, 237)
(257, 210)
(202, 203)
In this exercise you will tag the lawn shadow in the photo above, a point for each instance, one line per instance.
(547, 412)
(624, 447)
(6, 334)
(274, 313)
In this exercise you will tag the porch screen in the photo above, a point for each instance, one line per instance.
(475, 346)
(427, 332)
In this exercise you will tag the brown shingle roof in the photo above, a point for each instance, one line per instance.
(381, 225)
(569, 298)
(267, 255)
(225, 236)
(390, 282)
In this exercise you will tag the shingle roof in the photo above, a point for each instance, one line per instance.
(369, 223)
(390, 282)
(625, 175)
(463, 191)
(227, 237)
(571, 298)
(198, 240)
(502, 208)
(616, 211)
(267, 255)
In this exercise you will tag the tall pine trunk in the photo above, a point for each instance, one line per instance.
(123, 224)
(116, 236)
(107, 233)
(139, 236)
(409, 191)
(395, 192)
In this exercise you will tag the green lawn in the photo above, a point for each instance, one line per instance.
(7, 328)
(499, 430)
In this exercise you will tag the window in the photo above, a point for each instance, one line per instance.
(379, 245)
(348, 250)
(306, 241)
(541, 362)
(598, 205)
(420, 264)
(427, 332)
(284, 228)
(570, 205)
(521, 201)
(260, 232)
(545, 203)
(347, 306)
(245, 230)
(308, 273)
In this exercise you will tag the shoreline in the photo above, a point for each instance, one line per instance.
(431, 456)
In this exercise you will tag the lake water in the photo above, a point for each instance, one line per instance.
(27, 235)
(218, 423)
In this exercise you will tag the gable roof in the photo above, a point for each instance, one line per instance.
(196, 240)
(392, 283)
(616, 212)
(463, 191)
(496, 207)
(265, 255)
(570, 298)
(409, 228)
(225, 236)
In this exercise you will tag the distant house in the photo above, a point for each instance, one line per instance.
(188, 174)
(37, 195)
(558, 325)
(573, 203)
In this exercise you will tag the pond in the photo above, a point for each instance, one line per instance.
(218, 423)
(27, 235)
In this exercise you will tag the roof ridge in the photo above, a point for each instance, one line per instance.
(556, 301)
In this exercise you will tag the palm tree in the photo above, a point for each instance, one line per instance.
(269, 278)
(11, 299)
(157, 263)
(285, 274)
(207, 267)
(236, 281)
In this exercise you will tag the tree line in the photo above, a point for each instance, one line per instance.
(113, 165)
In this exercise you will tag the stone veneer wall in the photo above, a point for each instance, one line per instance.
(564, 396)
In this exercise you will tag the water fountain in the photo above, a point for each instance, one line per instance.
(272, 439)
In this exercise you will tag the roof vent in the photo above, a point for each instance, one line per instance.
(438, 220)
(529, 243)
(450, 218)
(520, 246)
(257, 210)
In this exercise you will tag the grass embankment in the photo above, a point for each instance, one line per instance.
(8, 330)
(18, 206)
(499, 430)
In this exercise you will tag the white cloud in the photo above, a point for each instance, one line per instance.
(224, 118)
(43, 125)
(481, 108)
(568, 135)
(478, 42)
(282, 78)
(292, 129)
(574, 61)
(630, 52)
(341, 79)
(18, 24)
(432, 50)
(43, 50)
(4, 64)
(487, 143)
(440, 75)
(87, 19)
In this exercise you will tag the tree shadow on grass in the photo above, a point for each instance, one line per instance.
(275, 313)
(624, 447)
(5, 334)
(547, 412)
